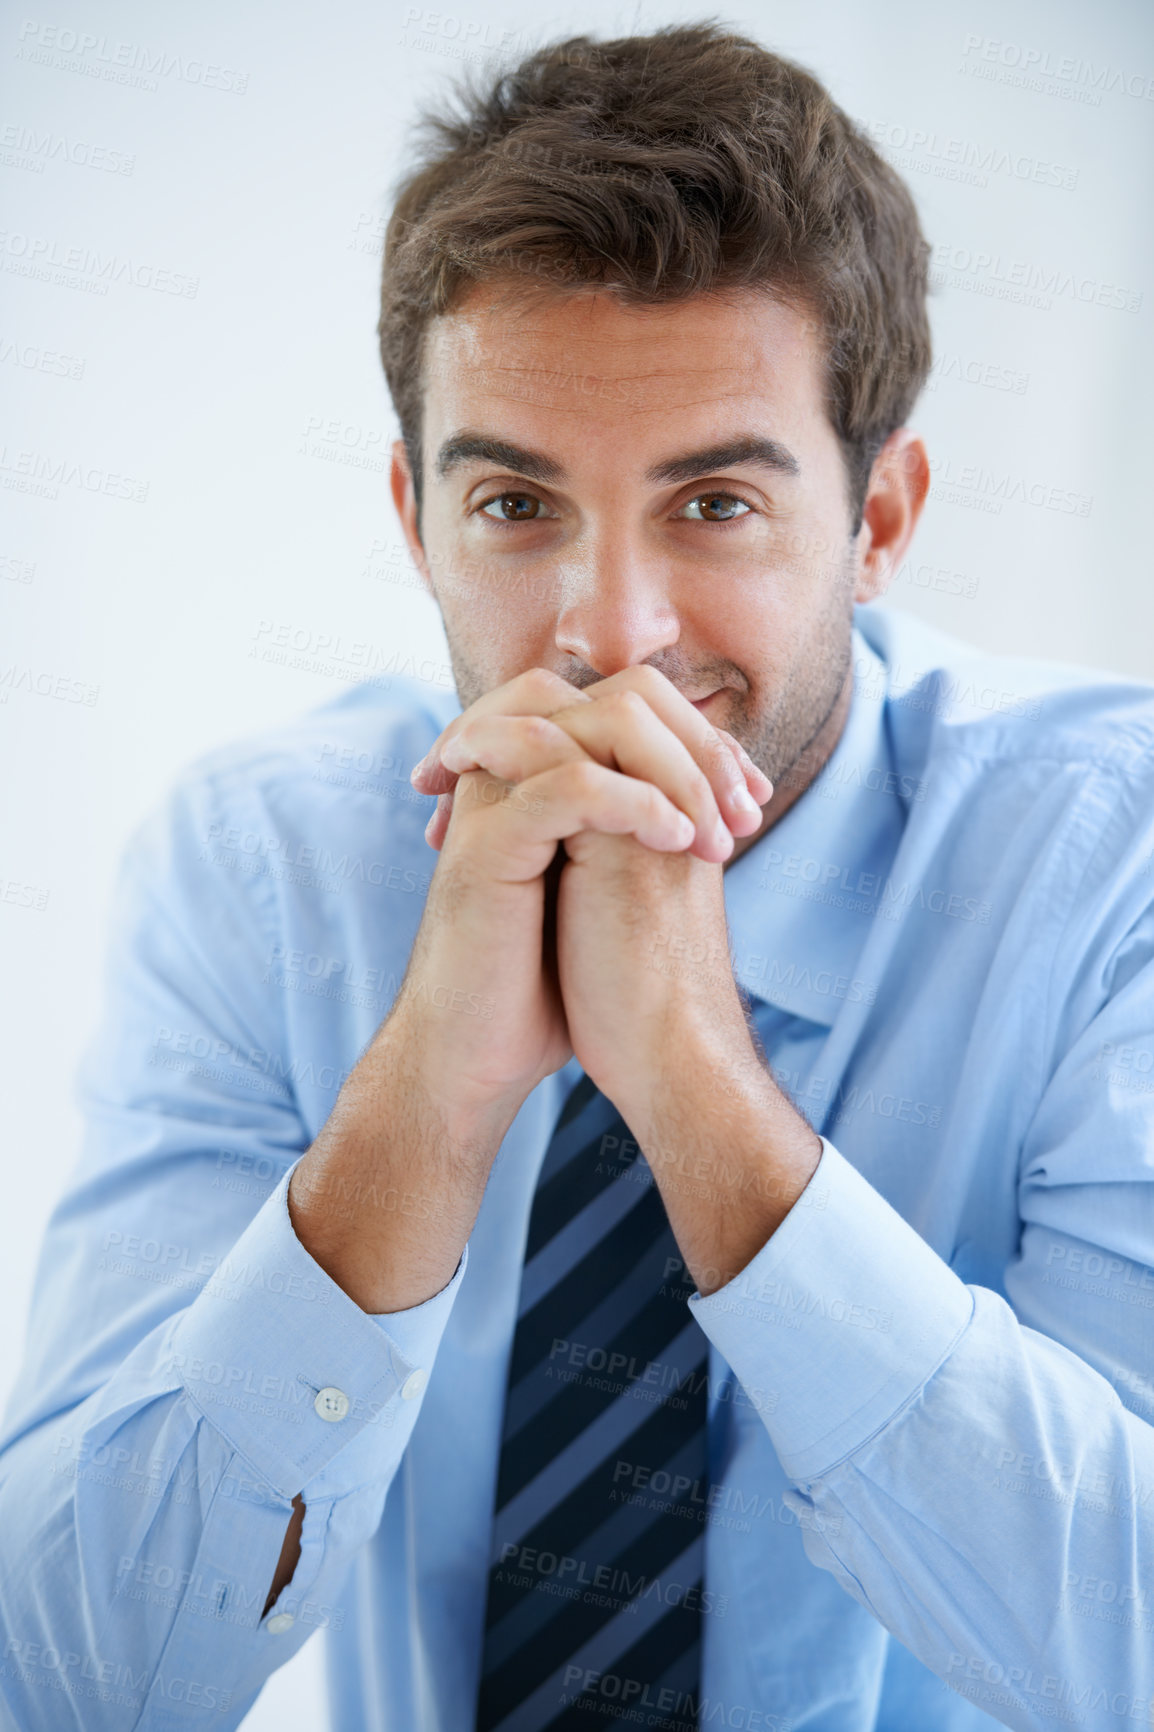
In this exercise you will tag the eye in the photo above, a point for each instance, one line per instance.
(715, 508)
(514, 508)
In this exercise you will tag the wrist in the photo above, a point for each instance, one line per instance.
(691, 1063)
(386, 1197)
(409, 1059)
(730, 1153)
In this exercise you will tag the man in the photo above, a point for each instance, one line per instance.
(688, 1260)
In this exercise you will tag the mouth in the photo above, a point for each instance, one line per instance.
(702, 703)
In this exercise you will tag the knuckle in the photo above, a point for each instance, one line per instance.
(581, 778)
(460, 813)
(474, 792)
(539, 730)
(658, 804)
(629, 701)
(542, 683)
(647, 678)
(701, 787)
(718, 754)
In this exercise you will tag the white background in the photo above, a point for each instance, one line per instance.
(227, 406)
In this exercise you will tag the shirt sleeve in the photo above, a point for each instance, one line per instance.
(190, 1367)
(978, 1471)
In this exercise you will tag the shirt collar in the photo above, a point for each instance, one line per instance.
(800, 902)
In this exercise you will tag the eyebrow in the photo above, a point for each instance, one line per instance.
(475, 447)
(747, 450)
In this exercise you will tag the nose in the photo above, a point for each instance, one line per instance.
(617, 609)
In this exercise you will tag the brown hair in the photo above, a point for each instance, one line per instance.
(661, 167)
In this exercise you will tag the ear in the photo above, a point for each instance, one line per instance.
(405, 500)
(899, 483)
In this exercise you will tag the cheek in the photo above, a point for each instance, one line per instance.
(504, 625)
(737, 620)
(805, 545)
(803, 574)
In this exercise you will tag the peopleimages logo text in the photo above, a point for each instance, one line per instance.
(101, 55)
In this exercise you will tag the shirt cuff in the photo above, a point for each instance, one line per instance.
(416, 1332)
(292, 1372)
(839, 1320)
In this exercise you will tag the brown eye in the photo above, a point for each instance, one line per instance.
(514, 508)
(715, 507)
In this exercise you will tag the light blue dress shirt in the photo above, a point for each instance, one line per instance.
(931, 1497)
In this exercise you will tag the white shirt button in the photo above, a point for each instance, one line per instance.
(331, 1404)
(414, 1383)
(282, 1622)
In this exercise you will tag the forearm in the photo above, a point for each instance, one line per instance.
(730, 1153)
(386, 1197)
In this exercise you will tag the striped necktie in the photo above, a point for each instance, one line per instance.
(596, 1577)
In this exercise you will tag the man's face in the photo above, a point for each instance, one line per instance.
(608, 485)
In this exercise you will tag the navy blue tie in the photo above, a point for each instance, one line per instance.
(596, 1579)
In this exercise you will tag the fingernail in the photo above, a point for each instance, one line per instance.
(418, 767)
(745, 802)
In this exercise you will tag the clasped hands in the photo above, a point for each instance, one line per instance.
(646, 796)
(615, 950)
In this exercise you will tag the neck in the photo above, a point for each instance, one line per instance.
(803, 770)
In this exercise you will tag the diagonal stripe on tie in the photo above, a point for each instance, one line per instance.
(603, 1267)
(528, 1395)
(570, 1243)
(611, 1431)
(607, 1380)
(529, 1613)
(663, 1443)
(567, 1184)
(638, 1343)
(671, 1703)
(595, 1521)
(541, 1707)
(642, 1579)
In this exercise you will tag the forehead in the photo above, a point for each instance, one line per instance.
(545, 355)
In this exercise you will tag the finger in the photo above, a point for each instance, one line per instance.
(621, 731)
(757, 781)
(535, 692)
(508, 747)
(437, 827)
(622, 734)
(512, 831)
(511, 747)
(439, 770)
(710, 751)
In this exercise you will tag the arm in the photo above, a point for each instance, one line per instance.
(977, 1476)
(192, 1311)
(530, 765)
(164, 1421)
(975, 1471)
